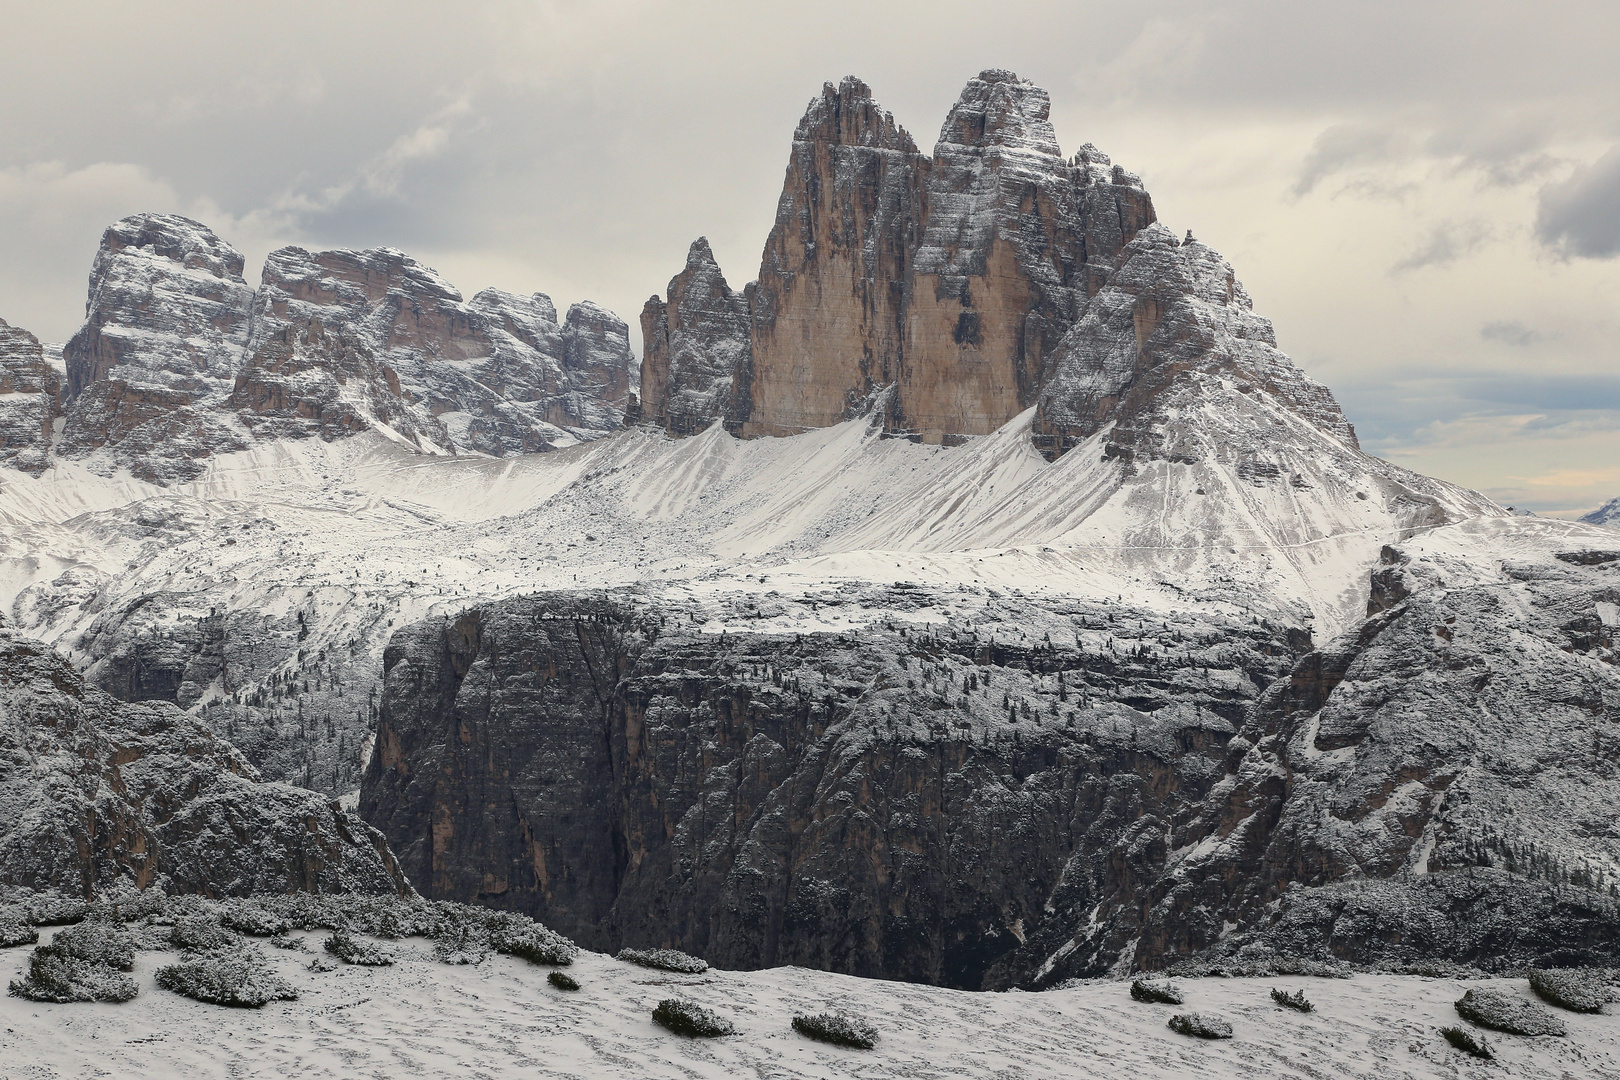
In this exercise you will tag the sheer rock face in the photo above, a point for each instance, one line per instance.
(100, 793)
(696, 350)
(180, 359)
(496, 376)
(951, 278)
(763, 800)
(165, 334)
(30, 389)
(1172, 322)
(1003, 263)
(830, 306)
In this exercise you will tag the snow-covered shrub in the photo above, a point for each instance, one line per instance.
(98, 943)
(1572, 989)
(202, 932)
(322, 964)
(1468, 1042)
(664, 960)
(1157, 992)
(48, 909)
(1200, 1026)
(246, 917)
(351, 950)
(562, 981)
(518, 935)
(1503, 1012)
(14, 930)
(686, 1018)
(837, 1029)
(229, 976)
(57, 973)
(1295, 1001)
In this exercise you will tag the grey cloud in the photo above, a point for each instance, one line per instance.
(1511, 333)
(1580, 217)
(1339, 148)
(1446, 243)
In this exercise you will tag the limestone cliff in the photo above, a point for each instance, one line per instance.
(830, 307)
(165, 333)
(1013, 239)
(30, 391)
(1171, 328)
(696, 353)
(950, 278)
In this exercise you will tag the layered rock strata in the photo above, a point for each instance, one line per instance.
(1172, 326)
(181, 359)
(166, 330)
(889, 804)
(102, 794)
(951, 278)
(30, 392)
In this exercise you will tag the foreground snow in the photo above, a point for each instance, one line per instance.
(500, 1018)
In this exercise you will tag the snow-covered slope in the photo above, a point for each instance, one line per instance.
(501, 1019)
(1607, 514)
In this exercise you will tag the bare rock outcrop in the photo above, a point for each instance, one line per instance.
(1171, 324)
(696, 350)
(165, 333)
(830, 306)
(1014, 239)
(950, 278)
(101, 794)
(30, 392)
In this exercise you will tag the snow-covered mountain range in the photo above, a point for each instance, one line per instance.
(978, 597)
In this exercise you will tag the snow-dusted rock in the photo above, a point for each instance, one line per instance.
(1607, 514)
(1015, 237)
(100, 794)
(165, 334)
(951, 278)
(696, 353)
(495, 376)
(30, 389)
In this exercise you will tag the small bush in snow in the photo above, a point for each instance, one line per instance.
(14, 930)
(1200, 1026)
(56, 974)
(48, 909)
(351, 950)
(1468, 1042)
(1577, 991)
(249, 918)
(1295, 1001)
(202, 932)
(322, 964)
(229, 976)
(837, 1029)
(664, 960)
(1504, 1012)
(1156, 991)
(98, 943)
(562, 981)
(694, 1021)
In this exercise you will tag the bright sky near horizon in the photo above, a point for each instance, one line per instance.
(1424, 197)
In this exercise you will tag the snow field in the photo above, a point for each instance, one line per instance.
(502, 1019)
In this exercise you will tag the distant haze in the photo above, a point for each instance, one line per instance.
(1424, 197)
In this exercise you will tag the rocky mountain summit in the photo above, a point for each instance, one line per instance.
(1607, 514)
(180, 359)
(101, 795)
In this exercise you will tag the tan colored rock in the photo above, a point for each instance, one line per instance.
(829, 308)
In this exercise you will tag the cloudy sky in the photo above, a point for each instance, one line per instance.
(1424, 196)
